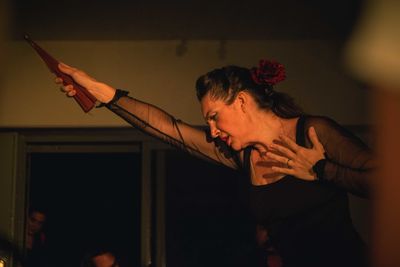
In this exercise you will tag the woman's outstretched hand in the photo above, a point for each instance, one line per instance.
(298, 160)
(101, 91)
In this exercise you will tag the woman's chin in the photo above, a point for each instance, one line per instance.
(235, 147)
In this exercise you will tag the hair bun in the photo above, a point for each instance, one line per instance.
(268, 72)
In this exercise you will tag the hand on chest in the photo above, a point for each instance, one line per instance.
(261, 169)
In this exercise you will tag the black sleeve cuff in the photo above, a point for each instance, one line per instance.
(118, 94)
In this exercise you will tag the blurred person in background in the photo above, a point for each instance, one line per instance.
(373, 56)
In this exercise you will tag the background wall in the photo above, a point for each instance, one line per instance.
(157, 50)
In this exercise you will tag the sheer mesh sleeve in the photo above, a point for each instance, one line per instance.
(157, 123)
(350, 162)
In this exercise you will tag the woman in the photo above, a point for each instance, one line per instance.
(299, 181)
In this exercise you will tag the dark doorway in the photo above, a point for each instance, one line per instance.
(91, 199)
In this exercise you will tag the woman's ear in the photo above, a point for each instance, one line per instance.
(242, 101)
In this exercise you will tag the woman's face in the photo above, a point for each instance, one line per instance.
(226, 121)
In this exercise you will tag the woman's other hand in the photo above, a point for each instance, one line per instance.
(101, 91)
(299, 161)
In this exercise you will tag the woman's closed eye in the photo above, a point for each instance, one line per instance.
(213, 117)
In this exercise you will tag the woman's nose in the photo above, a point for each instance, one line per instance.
(214, 131)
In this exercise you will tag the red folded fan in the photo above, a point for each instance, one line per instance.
(85, 99)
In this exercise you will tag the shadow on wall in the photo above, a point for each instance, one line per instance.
(4, 32)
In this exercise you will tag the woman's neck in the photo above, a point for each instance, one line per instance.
(269, 128)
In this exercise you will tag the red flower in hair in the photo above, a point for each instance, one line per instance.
(268, 72)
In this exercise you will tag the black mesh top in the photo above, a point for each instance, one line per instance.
(308, 222)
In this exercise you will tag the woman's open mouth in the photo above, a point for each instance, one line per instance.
(226, 140)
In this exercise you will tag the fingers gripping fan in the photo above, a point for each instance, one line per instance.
(85, 100)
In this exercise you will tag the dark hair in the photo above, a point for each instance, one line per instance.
(225, 83)
(37, 208)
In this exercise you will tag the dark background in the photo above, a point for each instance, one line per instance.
(207, 219)
(182, 19)
(91, 201)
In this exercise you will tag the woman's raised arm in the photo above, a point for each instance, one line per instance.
(153, 120)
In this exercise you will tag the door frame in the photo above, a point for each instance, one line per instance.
(97, 140)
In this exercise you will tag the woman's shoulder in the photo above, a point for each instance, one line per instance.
(318, 118)
(320, 122)
(327, 127)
